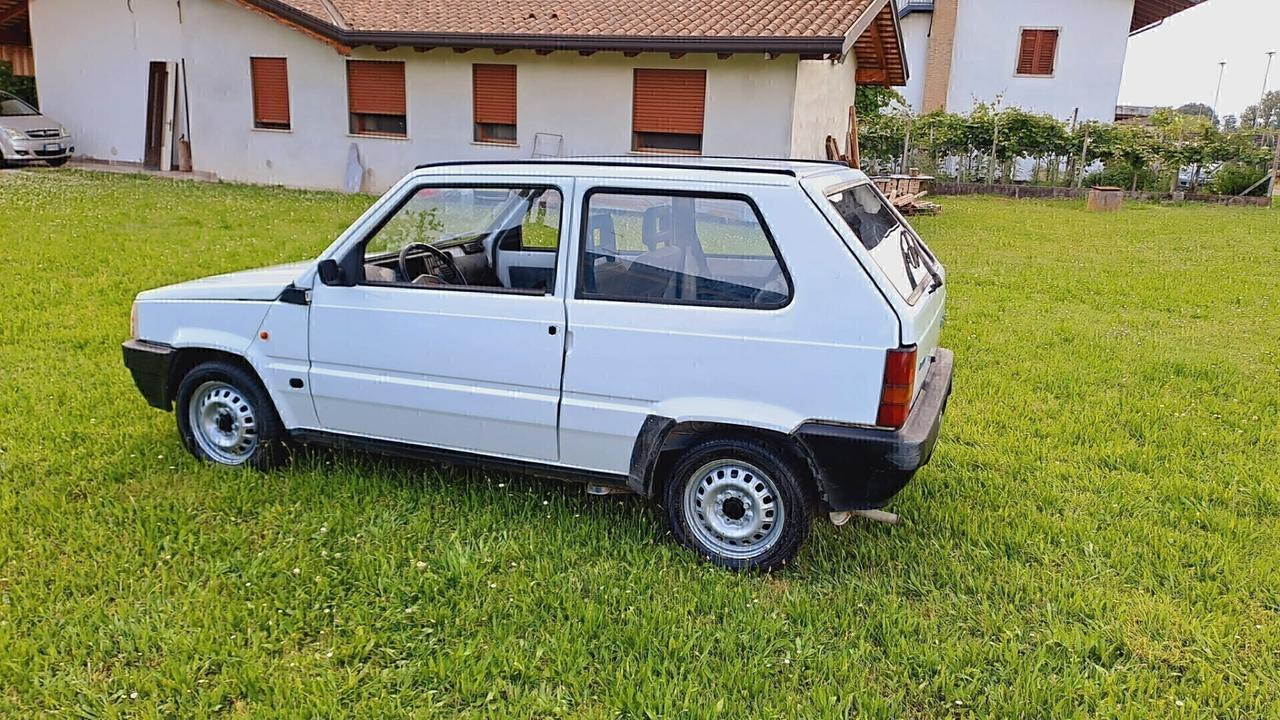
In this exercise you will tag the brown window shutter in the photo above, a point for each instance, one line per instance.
(669, 101)
(494, 91)
(270, 91)
(1038, 51)
(1048, 48)
(375, 87)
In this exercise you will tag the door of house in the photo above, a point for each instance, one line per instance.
(157, 96)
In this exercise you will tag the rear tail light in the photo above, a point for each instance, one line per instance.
(899, 383)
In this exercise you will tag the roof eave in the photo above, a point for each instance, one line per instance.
(814, 45)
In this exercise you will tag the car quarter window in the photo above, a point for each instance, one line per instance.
(476, 237)
(701, 249)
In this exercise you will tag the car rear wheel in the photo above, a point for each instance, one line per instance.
(743, 505)
(225, 417)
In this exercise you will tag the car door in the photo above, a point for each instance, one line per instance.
(406, 352)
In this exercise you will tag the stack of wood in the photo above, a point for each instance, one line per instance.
(853, 157)
(907, 193)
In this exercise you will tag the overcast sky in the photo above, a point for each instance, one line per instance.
(1177, 62)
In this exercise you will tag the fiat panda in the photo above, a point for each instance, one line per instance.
(749, 343)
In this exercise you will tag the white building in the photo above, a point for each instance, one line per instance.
(1061, 57)
(278, 91)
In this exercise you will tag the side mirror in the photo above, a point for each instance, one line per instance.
(331, 272)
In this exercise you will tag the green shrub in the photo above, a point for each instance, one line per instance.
(1121, 176)
(1235, 178)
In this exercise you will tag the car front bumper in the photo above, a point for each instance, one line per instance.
(150, 363)
(861, 468)
(38, 149)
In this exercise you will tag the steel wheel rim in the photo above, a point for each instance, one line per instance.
(733, 509)
(224, 422)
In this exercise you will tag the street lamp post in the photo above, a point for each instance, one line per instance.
(1266, 76)
(1217, 95)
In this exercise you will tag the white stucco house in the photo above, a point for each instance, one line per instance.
(1061, 57)
(278, 91)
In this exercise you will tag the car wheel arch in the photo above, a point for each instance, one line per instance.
(187, 359)
(661, 441)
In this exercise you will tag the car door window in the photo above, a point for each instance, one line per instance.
(679, 249)
(489, 238)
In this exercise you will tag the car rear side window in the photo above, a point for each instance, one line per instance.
(681, 249)
(899, 253)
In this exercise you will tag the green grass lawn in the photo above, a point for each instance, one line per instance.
(1097, 536)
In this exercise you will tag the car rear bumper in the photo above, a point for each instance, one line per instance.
(861, 468)
(150, 363)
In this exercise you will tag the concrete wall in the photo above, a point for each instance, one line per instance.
(824, 91)
(93, 77)
(1091, 51)
(915, 40)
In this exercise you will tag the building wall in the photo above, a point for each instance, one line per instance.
(824, 91)
(749, 104)
(92, 61)
(1091, 51)
(915, 41)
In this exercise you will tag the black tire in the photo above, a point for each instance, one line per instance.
(58, 162)
(246, 391)
(795, 501)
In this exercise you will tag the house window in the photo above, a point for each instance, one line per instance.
(270, 79)
(1038, 52)
(494, 103)
(667, 110)
(375, 97)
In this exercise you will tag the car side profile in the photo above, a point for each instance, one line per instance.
(749, 343)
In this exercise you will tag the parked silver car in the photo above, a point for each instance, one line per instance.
(26, 136)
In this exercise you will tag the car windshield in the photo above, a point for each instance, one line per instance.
(895, 248)
(11, 106)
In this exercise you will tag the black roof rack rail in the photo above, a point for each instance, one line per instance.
(625, 162)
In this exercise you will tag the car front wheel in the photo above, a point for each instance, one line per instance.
(58, 162)
(225, 417)
(743, 505)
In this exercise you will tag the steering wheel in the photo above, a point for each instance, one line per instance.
(446, 262)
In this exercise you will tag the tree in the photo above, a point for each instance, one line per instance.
(1132, 146)
(23, 87)
(1196, 109)
(1230, 123)
(1265, 114)
(873, 99)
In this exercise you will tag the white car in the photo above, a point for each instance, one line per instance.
(748, 342)
(26, 136)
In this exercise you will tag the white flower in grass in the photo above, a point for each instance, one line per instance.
(1178, 703)
(420, 564)
(297, 571)
(133, 695)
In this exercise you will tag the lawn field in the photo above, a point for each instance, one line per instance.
(1098, 535)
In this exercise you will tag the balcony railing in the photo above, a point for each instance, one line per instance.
(906, 7)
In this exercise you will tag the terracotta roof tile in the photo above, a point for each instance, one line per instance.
(607, 18)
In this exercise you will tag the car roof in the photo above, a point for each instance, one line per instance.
(701, 167)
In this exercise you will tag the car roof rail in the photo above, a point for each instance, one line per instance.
(770, 166)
